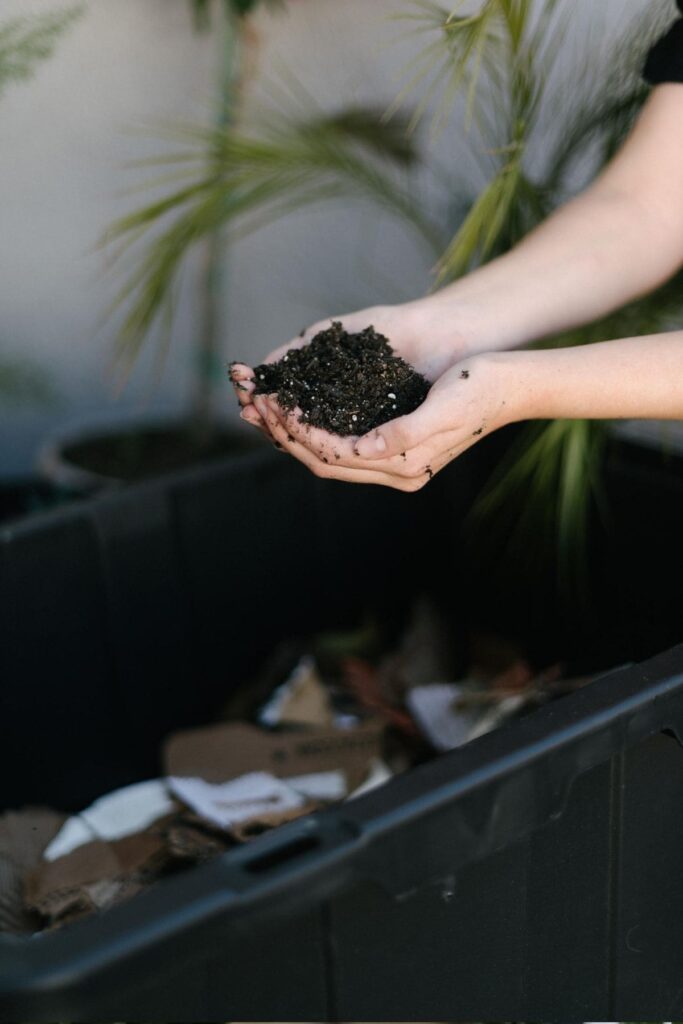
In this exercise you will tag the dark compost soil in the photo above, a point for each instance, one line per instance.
(344, 383)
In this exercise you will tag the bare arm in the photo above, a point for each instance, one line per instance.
(618, 240)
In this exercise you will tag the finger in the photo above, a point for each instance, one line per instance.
(341, 450)
(251, 416)
(241, 372)
(244, 392)
(241, 377)
(320, 442)
(432, 418)
(321, 466)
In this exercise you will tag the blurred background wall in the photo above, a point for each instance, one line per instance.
(66, 138)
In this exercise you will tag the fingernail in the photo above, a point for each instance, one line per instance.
(369, 446)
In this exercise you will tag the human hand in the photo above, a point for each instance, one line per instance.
(469, 400)
(417, 331)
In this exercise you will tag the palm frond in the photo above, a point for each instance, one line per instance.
(248, 180)
(455, 57)
(537, 508)
(27, 41)
(481, 233)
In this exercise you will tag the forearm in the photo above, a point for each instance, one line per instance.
(632, 378)
(619, 240)
(591, 257)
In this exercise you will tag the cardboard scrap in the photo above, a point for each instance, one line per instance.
(190, 841)
(93, 876)
(255, 827)
(302, 699)
(23, 837)
(223, 752)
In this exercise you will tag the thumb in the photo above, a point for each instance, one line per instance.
(405, 432)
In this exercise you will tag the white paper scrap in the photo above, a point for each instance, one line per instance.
(118, 814)
(433, 709)
(302, 699)
(378, 774)
(128, 810)
(319, 785)
(241, 799)
(73, 833)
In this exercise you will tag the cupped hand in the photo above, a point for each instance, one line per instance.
(415, 330)
(467, 401)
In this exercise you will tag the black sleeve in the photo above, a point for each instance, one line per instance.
(665, 60)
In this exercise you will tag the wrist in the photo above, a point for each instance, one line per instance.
(450, 327)
(521, 382)
(465, 320)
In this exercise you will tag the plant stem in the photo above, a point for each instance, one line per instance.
(213, 271)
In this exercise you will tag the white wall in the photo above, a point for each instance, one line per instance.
(64, 140)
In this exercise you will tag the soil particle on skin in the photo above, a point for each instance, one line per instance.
(478, 432)
(464, 374)
(346, 384)
(429, 471)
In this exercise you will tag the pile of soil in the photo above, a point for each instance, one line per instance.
(344, 383)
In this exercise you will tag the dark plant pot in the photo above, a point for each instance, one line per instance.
(26, 495)
(90, 461)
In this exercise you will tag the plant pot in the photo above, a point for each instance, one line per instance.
(94, 460)
(25, 495)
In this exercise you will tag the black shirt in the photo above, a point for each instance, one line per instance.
(665, 60)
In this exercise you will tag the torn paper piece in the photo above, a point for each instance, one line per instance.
(302, 700)
(446, 726)
(320, 785)
(379, 774)
(119, 814)
(74, 833)
(230, 803)
(433, 709)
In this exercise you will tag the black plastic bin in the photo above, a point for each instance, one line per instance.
(535, 874)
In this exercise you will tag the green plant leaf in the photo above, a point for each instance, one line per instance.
(27, 41)
(249, 179)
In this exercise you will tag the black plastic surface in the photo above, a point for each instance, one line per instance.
(534, 874)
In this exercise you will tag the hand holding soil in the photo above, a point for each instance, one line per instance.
(349, 406)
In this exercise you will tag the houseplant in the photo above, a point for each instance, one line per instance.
(226, 175)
